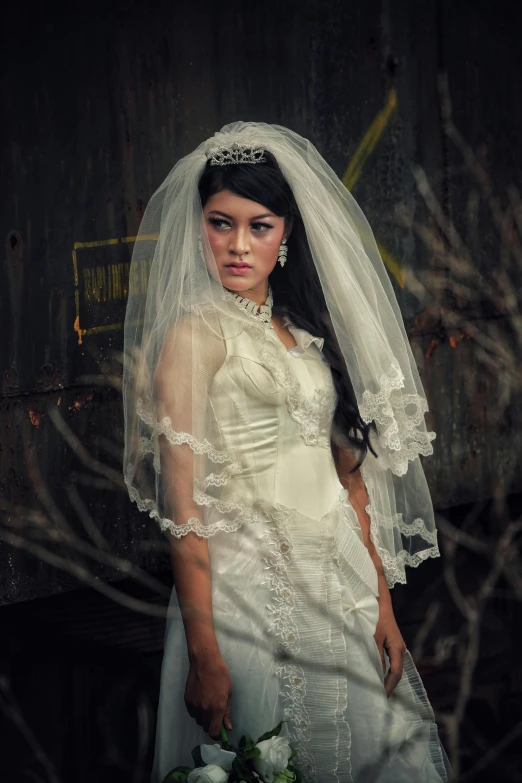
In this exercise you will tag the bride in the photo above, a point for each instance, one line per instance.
(274, 420)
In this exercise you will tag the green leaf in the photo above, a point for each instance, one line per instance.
(250, 752)
(178, 775)
(246, 741)
(196, 755)
(223, 736)
(273, 733)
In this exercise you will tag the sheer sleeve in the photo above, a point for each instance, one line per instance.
(180, 425)
(179, 466)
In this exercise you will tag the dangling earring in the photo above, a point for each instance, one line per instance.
(283, 252)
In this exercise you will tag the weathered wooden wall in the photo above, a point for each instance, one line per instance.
(100, 100)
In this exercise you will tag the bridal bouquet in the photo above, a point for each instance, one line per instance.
(269, 760)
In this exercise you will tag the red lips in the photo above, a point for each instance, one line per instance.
(238, 268)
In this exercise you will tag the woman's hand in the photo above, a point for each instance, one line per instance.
(208, 693)
(389, 638)
(387, 634)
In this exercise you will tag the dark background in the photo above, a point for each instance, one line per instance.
(99, 101)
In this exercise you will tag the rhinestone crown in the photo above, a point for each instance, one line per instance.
(236, 153)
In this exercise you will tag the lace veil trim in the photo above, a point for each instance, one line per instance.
(312, 416)
(400, 418)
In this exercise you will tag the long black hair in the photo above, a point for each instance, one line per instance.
(297, 292)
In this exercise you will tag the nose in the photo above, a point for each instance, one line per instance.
(239, 242)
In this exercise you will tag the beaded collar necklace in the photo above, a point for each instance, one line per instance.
(262, 313)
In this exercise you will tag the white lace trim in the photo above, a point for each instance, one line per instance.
(415, 528)
(220, 479)
(394, 564)
(233, 503)
(179, 438)
(284, 628)
(313, 414)
(148, 446)
(194, 525)
(402, 435)
(394, 567)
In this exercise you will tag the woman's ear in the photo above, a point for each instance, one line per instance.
(289, 224)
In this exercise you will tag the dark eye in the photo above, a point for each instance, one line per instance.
(218, 222)
(261, 226)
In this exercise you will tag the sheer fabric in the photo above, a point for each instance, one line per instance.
(294, 590)
(178, 325)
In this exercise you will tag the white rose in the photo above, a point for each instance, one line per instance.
(209, 774)
(275, 754)
(214, 754)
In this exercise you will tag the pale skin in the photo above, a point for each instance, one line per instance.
(244, 237)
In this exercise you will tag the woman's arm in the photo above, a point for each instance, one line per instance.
(387, 634)
(208, 688)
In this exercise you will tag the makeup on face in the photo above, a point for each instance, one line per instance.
(244, 238)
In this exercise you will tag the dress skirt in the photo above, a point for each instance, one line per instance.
(295, 609)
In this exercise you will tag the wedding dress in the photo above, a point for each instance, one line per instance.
(294, 589)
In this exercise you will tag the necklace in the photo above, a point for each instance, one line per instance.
(262, 313)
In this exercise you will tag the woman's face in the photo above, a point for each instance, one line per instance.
(244, 237)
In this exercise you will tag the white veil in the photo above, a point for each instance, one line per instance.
(178, 314)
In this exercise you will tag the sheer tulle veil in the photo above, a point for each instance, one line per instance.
(177, 305)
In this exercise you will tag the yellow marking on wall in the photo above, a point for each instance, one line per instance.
(369, 141)
(353, 172)
(106, 283)
(393, 266)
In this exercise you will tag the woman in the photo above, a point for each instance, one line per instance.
(274, 421)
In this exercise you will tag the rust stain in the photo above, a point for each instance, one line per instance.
(433, 344)
(456, 336)
(77, 329)
(36, 418)
(80, 403)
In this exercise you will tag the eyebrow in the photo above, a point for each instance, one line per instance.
(257, 217)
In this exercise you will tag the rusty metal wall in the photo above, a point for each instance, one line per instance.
(100, 100)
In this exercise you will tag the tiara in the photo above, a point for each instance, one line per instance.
(236, 153)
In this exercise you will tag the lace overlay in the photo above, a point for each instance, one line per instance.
(400, 420)
(284, 628)
(400, 442)
(395, 557)
(177, 438)
(313, 414)
(231, 515)
(307, 562)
